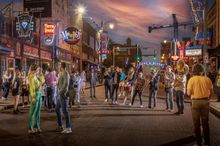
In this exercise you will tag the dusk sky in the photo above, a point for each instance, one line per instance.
(132, 18)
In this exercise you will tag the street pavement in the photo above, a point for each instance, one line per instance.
(96, 123)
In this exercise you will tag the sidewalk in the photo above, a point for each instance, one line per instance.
(9, 103)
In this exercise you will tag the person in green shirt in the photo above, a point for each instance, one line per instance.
(36, 80)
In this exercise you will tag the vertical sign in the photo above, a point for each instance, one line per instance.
(49, 33)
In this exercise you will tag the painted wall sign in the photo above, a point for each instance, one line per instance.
(24, 25)
(30, 51)
(39, 6)
(71, 35)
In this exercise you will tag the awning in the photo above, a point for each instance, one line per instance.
(5, 50)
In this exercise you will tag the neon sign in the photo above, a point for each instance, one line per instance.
(24, 25)
(49, 32)
(71, 35)
(49, 29)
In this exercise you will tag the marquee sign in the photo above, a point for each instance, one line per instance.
(193, 51)
(24, 25)
(71, 35)
(49, 33)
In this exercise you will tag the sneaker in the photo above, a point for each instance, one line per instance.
(15, 112)
(116, 102)
(66, 131)
(119, 95)
(31, 131)
(106, 100)
(141, 106)
(59, 129)
(177, 113)
(38, 130)
(3, 98)
(130, 104)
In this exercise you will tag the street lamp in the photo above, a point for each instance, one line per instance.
(80, 10)
(111, 25)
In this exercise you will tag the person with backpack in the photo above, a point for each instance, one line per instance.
(217, 84)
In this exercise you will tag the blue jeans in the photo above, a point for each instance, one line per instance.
(62, 103)
(169, 98)
(152, 93)
(50, 97)
(180, 101)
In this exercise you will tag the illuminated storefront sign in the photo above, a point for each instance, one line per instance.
(49, 33)
(33, 52)
(71, 35)
(193, 51)
(24, 25)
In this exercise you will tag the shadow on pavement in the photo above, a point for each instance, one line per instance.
(180, 142)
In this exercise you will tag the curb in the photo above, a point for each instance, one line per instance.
(214, 111)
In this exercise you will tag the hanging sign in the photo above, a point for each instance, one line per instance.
(71, 35)
(24, 25)
(49, 33)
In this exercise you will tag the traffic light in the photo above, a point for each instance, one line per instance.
(138, 58)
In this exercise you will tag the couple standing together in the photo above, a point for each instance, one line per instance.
(36, 80)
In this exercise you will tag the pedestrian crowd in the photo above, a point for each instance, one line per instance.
(57, 91)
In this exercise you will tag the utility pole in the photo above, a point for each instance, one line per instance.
(39, 43)
(205, 47)
(101, 33)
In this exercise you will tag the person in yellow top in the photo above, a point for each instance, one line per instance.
(200, 89)
(36, 80)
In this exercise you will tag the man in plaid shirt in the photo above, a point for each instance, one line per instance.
(139, 86)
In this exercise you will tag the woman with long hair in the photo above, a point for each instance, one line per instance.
(36, 81)
(16, 89)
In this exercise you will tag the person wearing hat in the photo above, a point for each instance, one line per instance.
(153, 87)
(36, 81)
(138, 89)
(169, 78)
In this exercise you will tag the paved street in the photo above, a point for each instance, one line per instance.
(99, 123)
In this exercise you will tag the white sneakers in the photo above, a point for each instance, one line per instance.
(106, 100)
(141, 106)
(67, 131)
(3, 98)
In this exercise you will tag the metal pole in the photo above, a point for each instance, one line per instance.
(137, 55)
(113, 54)
(205, 55)
(39, 43)
(102, 27)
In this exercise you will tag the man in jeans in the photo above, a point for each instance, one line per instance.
(200, 89)
(115, 85)
(169, 78)
(50, 80)
(63, 100)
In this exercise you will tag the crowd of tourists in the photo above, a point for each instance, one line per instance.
(57, 91)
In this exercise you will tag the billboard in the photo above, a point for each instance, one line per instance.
(39, 6)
